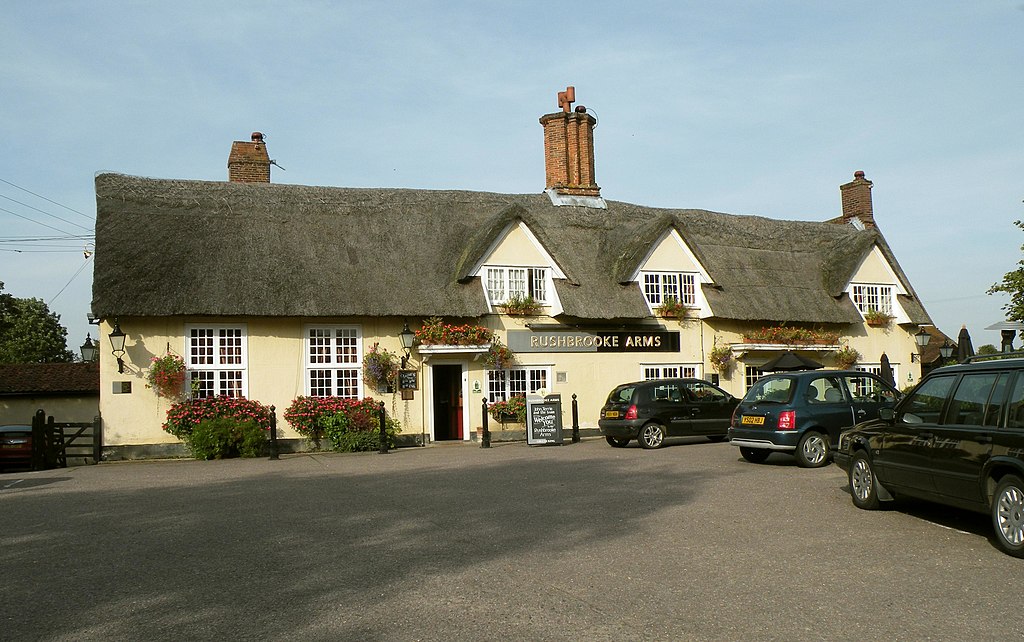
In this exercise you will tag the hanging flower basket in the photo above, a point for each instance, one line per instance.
(166, 376)
(846, 357)
(510, 410)
(380, 368)
(721, 359)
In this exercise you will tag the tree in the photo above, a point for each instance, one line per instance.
(30, 333)
(988, 348)
(1013, 284)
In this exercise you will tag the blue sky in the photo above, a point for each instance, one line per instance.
(734, 106)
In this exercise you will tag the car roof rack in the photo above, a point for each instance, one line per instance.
(1019, 354)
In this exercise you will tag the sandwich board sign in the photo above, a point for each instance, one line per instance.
(543, 419)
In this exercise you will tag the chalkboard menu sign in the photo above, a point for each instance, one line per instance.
(543, 419)
(408, 380)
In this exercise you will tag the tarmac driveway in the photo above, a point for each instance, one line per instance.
(455, 542)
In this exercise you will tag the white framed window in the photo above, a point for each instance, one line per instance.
(504, 283)
(517, 382)
(873, 297)
(660, 287)
(669, 371)
(334, 361)
(876, 369)
(750, 375)
(217, 360)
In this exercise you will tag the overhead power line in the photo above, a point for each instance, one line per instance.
(70, 209)
(64, 220)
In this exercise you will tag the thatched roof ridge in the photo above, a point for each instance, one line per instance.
(174, 247)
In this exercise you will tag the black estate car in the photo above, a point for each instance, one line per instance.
(804, 412)
(956, 439)
(650, 411)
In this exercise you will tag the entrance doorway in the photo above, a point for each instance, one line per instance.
(447, 401)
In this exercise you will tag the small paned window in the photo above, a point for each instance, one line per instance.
(668, 371)
(661, 287)
(216, 360)
(333, 361)
(516, 382)
(505, 283)
(877, 298)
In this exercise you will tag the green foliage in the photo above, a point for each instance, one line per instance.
(988, 348)
(521, 304)
(358, 429)
(30, 333)
(1013, 285)
(790, 335)
(436, 332)
(225, 437)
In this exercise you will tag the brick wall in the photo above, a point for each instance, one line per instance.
(856, 197)
(569, 153)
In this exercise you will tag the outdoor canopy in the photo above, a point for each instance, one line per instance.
(790, 361)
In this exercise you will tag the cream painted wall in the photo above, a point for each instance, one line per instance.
(276, 368)
(875, 269)
(62, 409)
(669, 256)
(517, 249)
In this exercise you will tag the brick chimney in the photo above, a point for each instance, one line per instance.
(249, 162)
(856, 197)
(569, 148)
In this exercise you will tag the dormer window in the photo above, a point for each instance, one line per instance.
(660, 287)
(877, 298)
(505, 283)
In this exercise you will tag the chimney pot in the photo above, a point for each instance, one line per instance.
(859, 174)
(257, 137)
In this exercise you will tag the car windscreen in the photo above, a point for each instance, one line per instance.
(622, 394)
(771, 390)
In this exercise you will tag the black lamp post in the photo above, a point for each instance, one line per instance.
(407, 337)
(117, 338)
(921, 338)
(89, 350)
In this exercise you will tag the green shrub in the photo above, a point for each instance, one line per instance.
(183, 417)
(224, 437)
(358, 429)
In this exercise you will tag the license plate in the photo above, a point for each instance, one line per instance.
(611, 414)
(749, 420)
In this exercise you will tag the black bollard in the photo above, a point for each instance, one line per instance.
(273, 434)
(575, 420)
(485, 439)
(383, 434)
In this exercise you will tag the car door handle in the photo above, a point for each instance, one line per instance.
(861, 413)
(984, 439)
(926, 435)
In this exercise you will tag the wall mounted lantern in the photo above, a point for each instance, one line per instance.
(407, 337)
(117, 343)
(922, 338)
(947, 349)
(89, 350)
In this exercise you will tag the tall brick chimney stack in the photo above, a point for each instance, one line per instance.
(569, 148)
(249, 162)
(856, 197)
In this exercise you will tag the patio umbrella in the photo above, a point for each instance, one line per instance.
(964, 349)
(886, 371)
(790, 361)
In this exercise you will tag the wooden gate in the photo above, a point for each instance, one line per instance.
(53, 442)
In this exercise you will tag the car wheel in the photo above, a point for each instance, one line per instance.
(863, 485)
(716, 438)
(617, 442)
(755, 455)
(812, 451)
(652, 435)
(1008, 515)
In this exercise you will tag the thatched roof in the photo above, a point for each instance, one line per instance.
(172, 247)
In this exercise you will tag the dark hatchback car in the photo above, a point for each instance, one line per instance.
(804, 413)
(956, 439)
(15, 447)
(650, 411)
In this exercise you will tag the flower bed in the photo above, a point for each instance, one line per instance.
(436, 332)
(183, 417)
